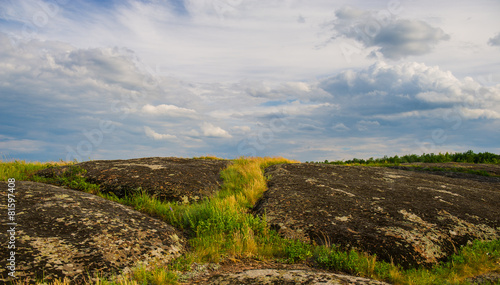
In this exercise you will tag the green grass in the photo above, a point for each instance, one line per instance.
(222, 228)
(22, 170)
(73, 178)
(471, 260)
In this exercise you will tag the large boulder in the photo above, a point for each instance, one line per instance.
(66, 233)
(166, 178)
(412, 218)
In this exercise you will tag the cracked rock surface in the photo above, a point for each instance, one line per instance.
(413, 218)
(67, 233)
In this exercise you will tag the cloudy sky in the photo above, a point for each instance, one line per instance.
(307, 80)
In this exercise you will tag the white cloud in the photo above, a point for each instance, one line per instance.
(157, 136)
(480, 113)
(168, 110)
(407, 89)
(394, 38)
(241, 129)
(340, 127)
(210, 130)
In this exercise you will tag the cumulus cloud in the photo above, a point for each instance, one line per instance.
(210, 130)
(157, 136)
(394, 38)
(410, 97)
(494, 41)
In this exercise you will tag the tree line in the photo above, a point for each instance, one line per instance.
(464, 157)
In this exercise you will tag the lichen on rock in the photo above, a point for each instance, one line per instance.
(67, 233)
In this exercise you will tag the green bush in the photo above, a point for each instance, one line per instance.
(351, 261)
(297, 251)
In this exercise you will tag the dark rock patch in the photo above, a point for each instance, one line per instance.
(166, 178)
(67, 233)
(412, 218)
(456, 170)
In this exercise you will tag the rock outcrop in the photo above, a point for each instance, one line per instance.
(67, 233)
(166, 178)
(412, 218)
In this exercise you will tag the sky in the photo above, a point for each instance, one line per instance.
(306, 80)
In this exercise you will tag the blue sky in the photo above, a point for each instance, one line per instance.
(307, 80)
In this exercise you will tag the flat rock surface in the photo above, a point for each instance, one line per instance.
(413, 218)
(67, 233)
(166, 178)
(285, 277)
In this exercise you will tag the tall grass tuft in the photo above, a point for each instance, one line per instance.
(22, 170)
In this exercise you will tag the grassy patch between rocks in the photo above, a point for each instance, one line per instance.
(472, 260)
(222, 227)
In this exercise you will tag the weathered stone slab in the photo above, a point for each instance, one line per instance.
(276, 276)
(412, 218)
(166, 178)
(66, 233)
